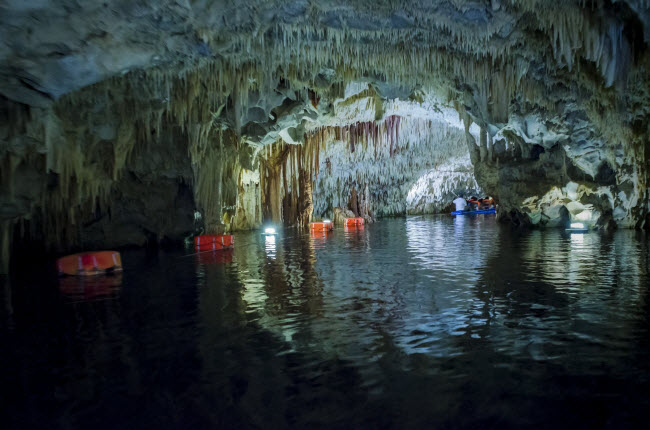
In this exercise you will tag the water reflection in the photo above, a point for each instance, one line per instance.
(320, 237)
(87, 288)
(284, 287)
(456, 280)
(6, 311)
(451, 256)
(270, 246)
(222, 256)
(404, 324)
(561, 298)
(459, 288)
(356, 228)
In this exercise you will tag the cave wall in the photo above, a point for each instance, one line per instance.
(589, 164)
(80, 181)
(128, 161)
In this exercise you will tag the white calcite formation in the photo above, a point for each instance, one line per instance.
(434, 192)
(415, 140)
(232, 109)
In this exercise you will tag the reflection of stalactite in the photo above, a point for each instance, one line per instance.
(5, 245)
(290, 282)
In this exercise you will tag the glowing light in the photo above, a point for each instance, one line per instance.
(269, 230)
(577, 225)
(326, 220)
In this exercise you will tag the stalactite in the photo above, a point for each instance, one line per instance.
(137, 109)
(216, 168)
(386, 174)
(358, 134)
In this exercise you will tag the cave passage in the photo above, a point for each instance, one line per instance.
(250, 214)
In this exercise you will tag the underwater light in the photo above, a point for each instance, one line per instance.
(577, 225)
(269, 230)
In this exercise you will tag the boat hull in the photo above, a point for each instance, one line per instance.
(483, 211)
(576, 230)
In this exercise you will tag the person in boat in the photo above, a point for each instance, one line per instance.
(473, 203)
(461, 203)
(485, 203)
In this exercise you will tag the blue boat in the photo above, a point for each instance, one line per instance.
(482, 211)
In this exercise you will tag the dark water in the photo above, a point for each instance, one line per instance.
(417, 323)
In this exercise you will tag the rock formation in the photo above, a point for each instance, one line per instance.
(121, 120)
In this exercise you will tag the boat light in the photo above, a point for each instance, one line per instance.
(269, 230)
(577, 225)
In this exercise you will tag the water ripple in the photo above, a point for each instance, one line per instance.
(401, 323)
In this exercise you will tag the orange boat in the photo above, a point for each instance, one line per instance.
(353, 222)
(321, 226)
(90, 263)
(214, 242)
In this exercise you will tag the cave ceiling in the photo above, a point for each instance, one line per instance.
(474, 49)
